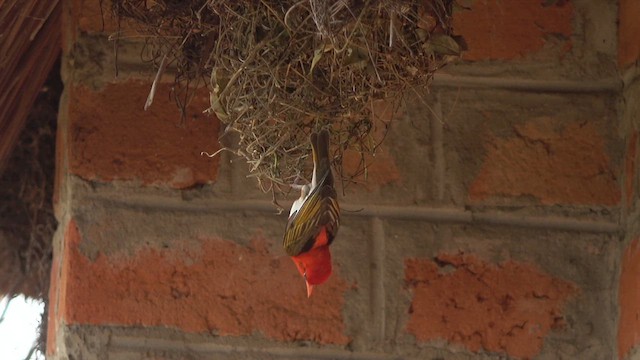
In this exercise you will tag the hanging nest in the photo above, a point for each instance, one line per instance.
(278, 70)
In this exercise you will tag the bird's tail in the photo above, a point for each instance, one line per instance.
(321, 163)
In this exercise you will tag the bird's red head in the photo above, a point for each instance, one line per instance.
(314, 266)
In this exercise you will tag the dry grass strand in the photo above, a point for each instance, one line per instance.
(278, 70)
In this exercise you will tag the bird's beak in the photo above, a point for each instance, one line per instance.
(309, 289)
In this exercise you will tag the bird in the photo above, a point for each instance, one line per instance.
(314, 218)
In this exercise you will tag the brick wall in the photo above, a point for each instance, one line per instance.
(629, 285)
(499, 220)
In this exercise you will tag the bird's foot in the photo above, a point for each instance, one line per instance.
(295, 185)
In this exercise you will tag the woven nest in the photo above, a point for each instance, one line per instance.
(278, 70)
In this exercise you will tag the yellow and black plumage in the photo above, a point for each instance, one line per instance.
(317, 208)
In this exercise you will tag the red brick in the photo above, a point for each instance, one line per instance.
(630, 168)
(93, 16)
(629, 300)
(496, 29)
(111, 137)
(381, 169)
(59, 171)
(58, 287)
(221, 287)
(52, 314)
(557, 164)
(628, 32)
(507, 308)
(89, 16)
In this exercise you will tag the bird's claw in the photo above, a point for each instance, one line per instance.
(297, 186)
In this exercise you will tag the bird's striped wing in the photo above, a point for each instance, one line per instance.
(320, 209)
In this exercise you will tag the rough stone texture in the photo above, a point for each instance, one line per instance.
(629, 298)
(112, 138)
(382, 171)
(57, 291)
(60, 170)
(554, 163)
(629, 123)
(629, 284)
(52, 315)
(628, 32)
(630, 169)
(582, 266)
(191, 267)
(509, 30)
(95, 16)
(221, 288)
(508, 307)
(587, 53)
(382, 168)
(501, 147)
